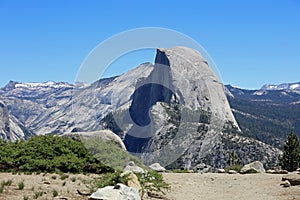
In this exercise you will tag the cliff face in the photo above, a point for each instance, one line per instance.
(11, 128)
(173, 112)
(178, 115)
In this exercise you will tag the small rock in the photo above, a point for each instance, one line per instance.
(286, 184)
(135, 169)
(254, 167)
(130, 163)
(232, 171)
(221, 171)
(47, 182)
(157, 167)
(271, 171)
(200, 166)
(294, 179)
(277, 171)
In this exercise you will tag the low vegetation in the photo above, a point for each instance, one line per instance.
(152, 181)
(21, 185)
(111, 179)
(61, 155)
(48, 154)
(234, 162)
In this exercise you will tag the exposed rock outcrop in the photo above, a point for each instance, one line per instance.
(254, 167)
(105, 135)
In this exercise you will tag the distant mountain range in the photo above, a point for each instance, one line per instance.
(283, 86)
(177, 100)
(267, 114)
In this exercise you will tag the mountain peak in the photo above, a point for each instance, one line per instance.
(283, 86)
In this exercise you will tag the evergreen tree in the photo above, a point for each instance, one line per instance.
(234, 159)
(291, 153)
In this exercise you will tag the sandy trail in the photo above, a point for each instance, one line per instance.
(229, 187)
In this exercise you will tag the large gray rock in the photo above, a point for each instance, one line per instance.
(105, 135)
(294, 179)
(254, 167)
(157, 167)
(118, 192)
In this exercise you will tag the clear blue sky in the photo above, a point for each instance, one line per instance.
(252, 42)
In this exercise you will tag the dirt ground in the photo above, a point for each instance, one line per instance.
(183, 187)
(229, 187)
(43, 186)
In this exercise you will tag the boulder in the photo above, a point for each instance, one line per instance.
(157, 167)
(133, 181)
(105, 135)
(118, 192)
(254, 167)
(294, 179)
(221, 171)
(134, 168)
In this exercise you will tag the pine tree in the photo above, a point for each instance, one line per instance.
(234, 159)
(290, 160)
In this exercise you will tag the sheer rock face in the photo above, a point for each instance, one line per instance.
(11, 128)
(173, 112)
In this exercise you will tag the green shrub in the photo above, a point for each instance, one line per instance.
(21, 185)
(64, 176)
(54, 193)
(37, 195)
(234, 162)
(48, 154)
(111, 179)
(180, 171)
(152, 181)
